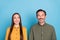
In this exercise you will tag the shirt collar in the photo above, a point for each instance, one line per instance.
(16, 27)
(42, 25)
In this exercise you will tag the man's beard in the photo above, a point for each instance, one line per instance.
(40, 19)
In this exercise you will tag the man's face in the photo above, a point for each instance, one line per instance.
(41, 16)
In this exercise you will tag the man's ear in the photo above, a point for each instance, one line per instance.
(45, 17)
(36, 16)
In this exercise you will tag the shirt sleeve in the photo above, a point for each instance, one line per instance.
(25, 33)
(54, 35)
(31, 36)
(7, 32)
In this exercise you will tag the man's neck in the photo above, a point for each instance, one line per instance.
(42, 23)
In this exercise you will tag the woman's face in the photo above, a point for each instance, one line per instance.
(16, 19)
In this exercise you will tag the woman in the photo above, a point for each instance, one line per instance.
(16, 31)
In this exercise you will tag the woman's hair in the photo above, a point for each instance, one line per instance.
(12, 25)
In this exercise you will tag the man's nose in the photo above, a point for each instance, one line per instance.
(40, 16)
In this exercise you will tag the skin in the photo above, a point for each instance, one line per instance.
(41, 17)
(16, 20)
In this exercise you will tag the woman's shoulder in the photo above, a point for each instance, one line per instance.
(8, 29)
(24, 28)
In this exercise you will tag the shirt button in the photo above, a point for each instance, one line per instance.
(16, 38)
(16, 29)
(16, 33)
(42, 37)
(42, 32)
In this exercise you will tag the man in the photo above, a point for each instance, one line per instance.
(42, 30)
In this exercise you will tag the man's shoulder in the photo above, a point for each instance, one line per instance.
(34, 26)
(50, 26)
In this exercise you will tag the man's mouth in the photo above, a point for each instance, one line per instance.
(40, 18)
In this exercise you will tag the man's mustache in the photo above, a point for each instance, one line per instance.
(40, 18)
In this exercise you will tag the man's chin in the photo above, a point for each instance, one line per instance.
(41, 21)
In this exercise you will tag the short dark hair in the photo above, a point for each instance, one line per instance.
(41, 10)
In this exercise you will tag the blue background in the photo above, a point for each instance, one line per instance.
(27, 9)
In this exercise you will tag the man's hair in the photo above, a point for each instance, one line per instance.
(40, 10)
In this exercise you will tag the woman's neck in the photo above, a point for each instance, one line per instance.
(16, 26)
